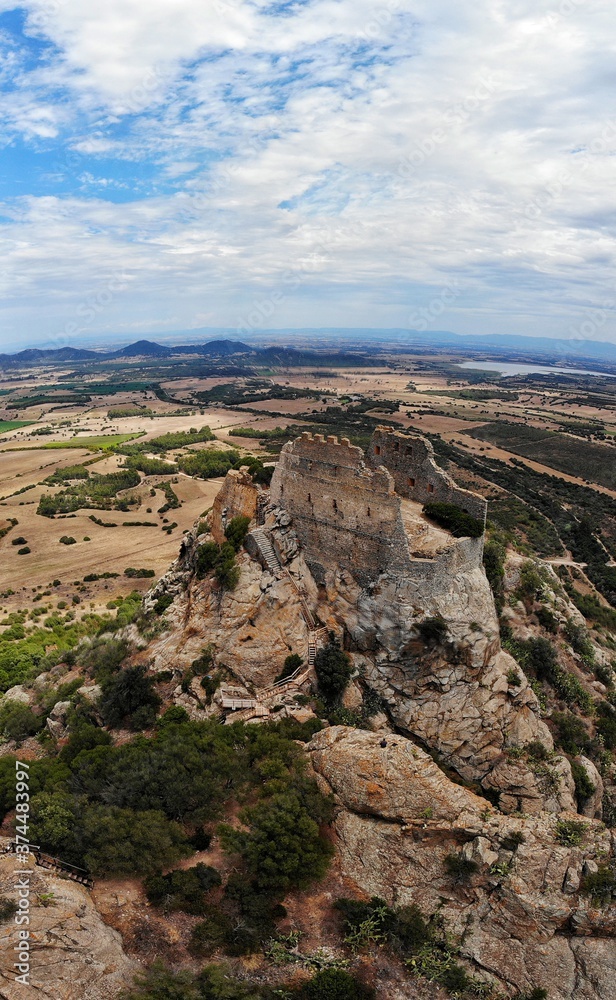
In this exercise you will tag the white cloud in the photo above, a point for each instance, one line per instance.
(351, 157)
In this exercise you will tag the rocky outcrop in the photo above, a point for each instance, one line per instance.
(74, 955)
(251, 629)
(520, 919)
(455, 696)
(238, 497)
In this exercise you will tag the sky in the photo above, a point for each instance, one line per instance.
(420, 164)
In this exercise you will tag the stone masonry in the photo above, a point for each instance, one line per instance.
(410, 460)
(349, 512)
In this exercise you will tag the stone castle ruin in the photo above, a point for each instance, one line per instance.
(363, 512)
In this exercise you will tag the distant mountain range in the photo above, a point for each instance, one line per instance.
(548, 350)
(141, 349)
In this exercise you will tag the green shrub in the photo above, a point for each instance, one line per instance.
(19, 541)
(24, 551)
(433, 630)
(494, 554)
(129, 696)
(460, 869)
(18, 721)
(571, 733)
(606, 724)
(333, 669)
(210, 934)
(164, 601)
(68, 540)
(183, 889)
(365, 924)
(456, 520)
(125, 841)
(139, 574)
(207, 554)
(284, 848)
(236, 531)
(547, 619)
(221, 559)
(335, 984)
(584, 787)
(601, 885)
(8, 909)
(292, 663)
(570, 832)
(531, 583)
(226, 571)
(513, 840)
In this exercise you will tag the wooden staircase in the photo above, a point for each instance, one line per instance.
(72, 872)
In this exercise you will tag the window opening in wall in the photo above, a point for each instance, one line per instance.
(411, 481)
(408, 450)
(309, 498)
(377, 449)
(396, 446)
(368, 513)
(430, 488)
(334, 505)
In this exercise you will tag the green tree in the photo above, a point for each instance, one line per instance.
(494, 554)
(18, 721)
(333, 669)
(236, 531)
(283, 848)
(129, 695)
(126, 842)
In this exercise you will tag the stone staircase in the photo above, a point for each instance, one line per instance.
(266, 549)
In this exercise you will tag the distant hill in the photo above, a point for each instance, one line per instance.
(36, 356)
(140, 349)
(353, 345)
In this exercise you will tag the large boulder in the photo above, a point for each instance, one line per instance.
(520, 919)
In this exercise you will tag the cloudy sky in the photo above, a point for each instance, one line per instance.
(177, 164)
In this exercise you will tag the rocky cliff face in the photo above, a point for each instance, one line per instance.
(520, 919)
(456, 696)
(74, 955)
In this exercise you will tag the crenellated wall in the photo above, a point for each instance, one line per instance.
(350, 514)
(341, 509)
(411, 461)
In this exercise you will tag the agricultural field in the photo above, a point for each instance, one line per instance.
(590, 461)
(148, 421)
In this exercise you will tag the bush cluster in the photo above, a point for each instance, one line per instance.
(454, 519)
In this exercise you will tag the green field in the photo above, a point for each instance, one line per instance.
(594, 462)
(11, 425)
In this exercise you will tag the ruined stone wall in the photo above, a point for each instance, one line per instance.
(410, 459)
(342, 511)
(238, 495)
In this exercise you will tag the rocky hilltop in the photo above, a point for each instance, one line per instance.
(459, 759)
(448, 792)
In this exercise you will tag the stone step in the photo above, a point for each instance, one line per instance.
(266, 549)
